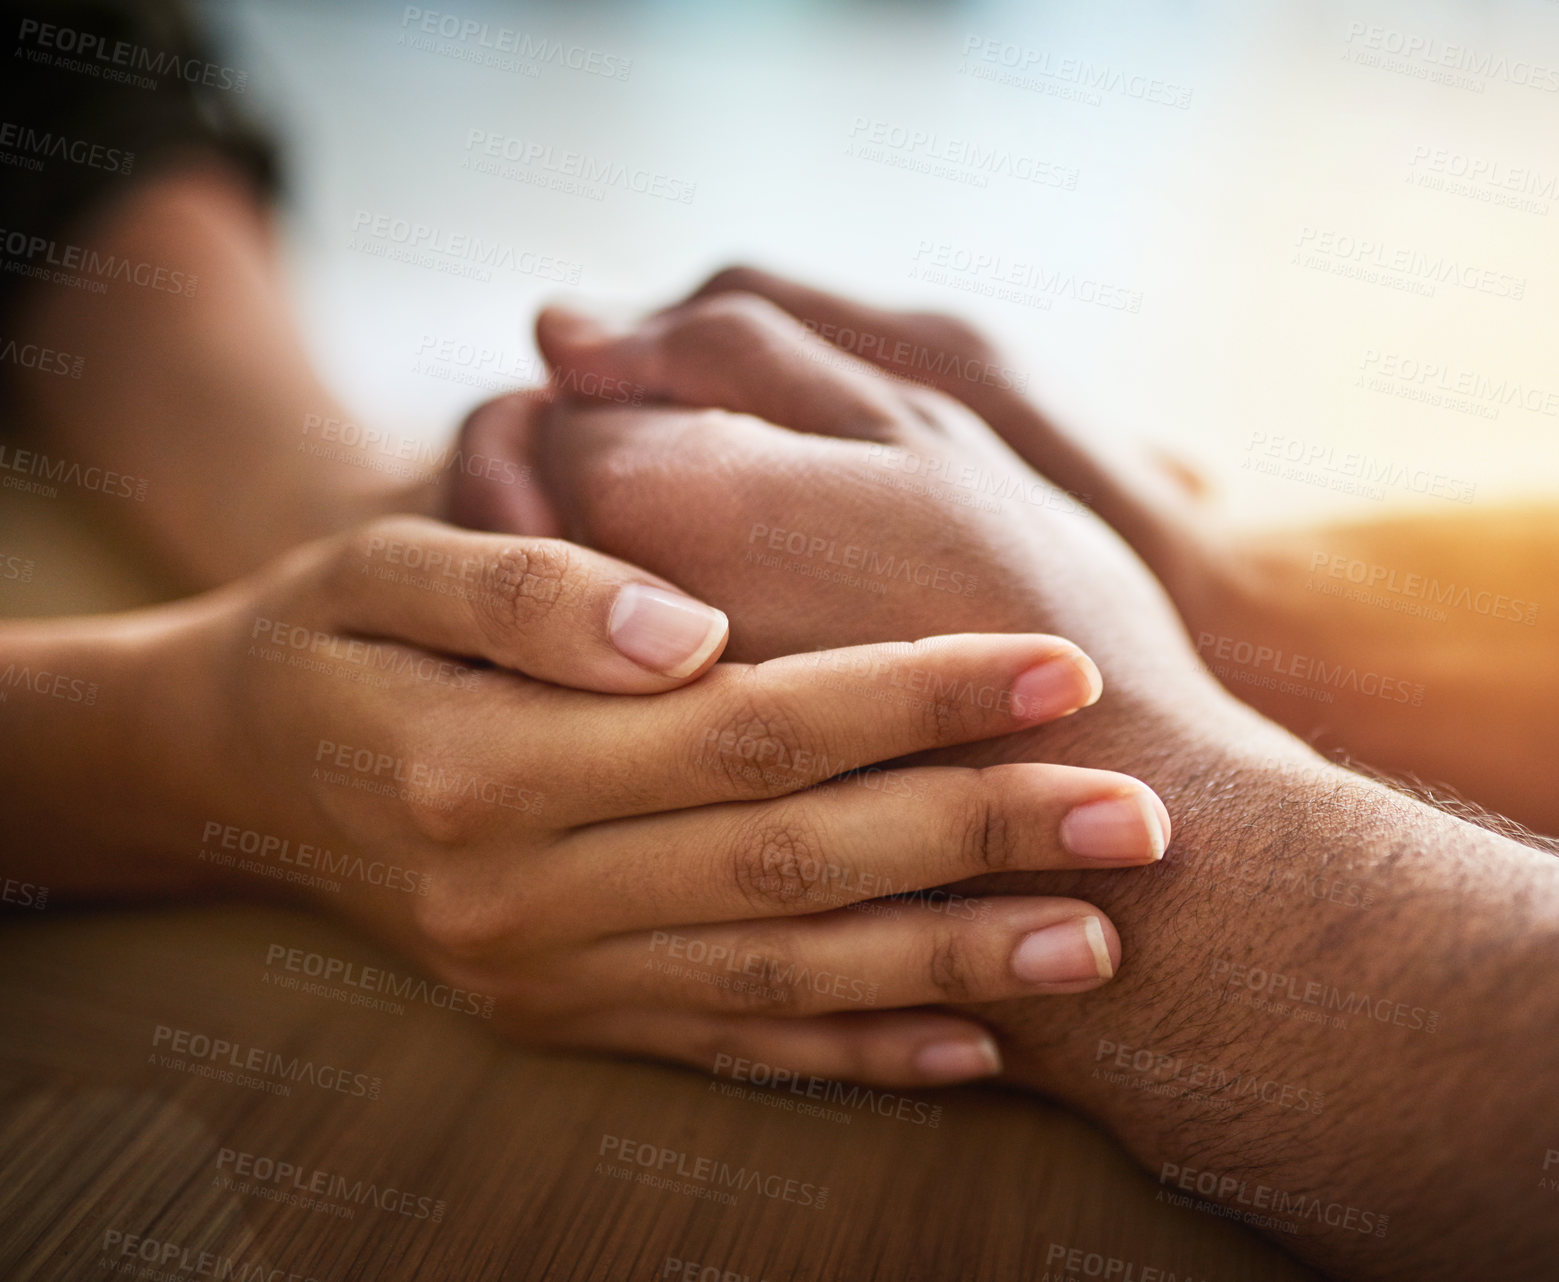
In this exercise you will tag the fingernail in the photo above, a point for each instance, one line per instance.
(1124, 829)
(1065, 953)
(1056, 687)
(958, 1061)
(670, 634)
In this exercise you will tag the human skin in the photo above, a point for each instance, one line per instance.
(1399, 603)
(216, 405)
(1418, 1019)
(516, 761)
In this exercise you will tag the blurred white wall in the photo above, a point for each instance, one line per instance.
(1334, 226)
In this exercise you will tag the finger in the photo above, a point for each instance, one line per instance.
(551, 610)
(491, 472)
(852, 960)
(735, 352)
(778, 727)
(930, 348)
(888, 832)
(809, 1059)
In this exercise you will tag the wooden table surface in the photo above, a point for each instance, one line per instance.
(104, 1130)
(451, 1155)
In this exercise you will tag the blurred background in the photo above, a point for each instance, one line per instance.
(1317, 237)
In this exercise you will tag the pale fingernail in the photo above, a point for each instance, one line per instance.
(670, 634)
(1056, 687)
(1126, 829)
(1064, 953)
(958, 1061)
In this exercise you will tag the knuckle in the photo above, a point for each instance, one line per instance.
(765, 976)
(758, 744)
(738, 276)
(441, 820)
(950, 706)
(730, 320)
(950, 969)
(464, 928)
(524, 584)
(989, 842)
(770, 865)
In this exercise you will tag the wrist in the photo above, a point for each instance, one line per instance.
(101, 804)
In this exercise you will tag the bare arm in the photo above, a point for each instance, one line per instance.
(196, 383)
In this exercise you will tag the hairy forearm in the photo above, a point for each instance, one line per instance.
(1332, 1006)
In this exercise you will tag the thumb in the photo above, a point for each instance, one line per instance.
(547, 609)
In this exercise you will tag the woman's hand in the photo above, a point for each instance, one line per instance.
(656, 870)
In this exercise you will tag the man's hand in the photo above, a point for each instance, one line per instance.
(1437, 625)
(1295, 890)
(915, 512)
